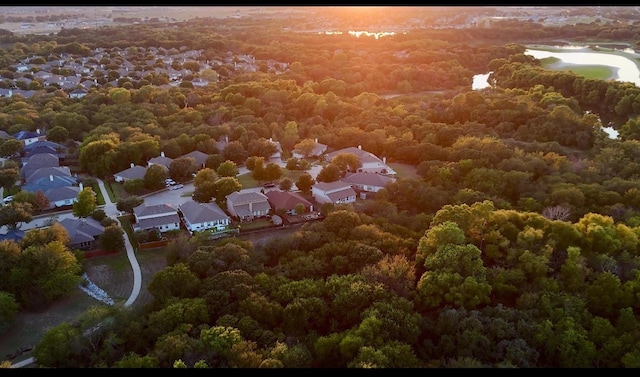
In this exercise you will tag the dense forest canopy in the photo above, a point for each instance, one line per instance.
(516, 246)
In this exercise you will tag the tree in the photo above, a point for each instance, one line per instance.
(225, 186)
(346, 162)
(58, 134)
(175, 281)
(10, 147)
(305, 147)
(112, 239)
(329, 173)
(8, 176)
(13, 214)
(182, 168)
(58, 345)
(8, 309)
(286, 184)
(227, 169)
(129, 203)
(86, 203)
(40, 201)
(154, 177)
(272, 171)
(304, 182)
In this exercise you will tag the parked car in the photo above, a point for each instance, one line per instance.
(178, 186)
(269, 185)
(7, 199)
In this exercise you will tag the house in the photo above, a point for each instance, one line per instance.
(15, 235)
(46, 172)
(199, 157)
(203, 216)
(45, 184)
(42, 160)
(78, 93)
(317, 150)
(278, 153)
(160, 216)
(83, 233)
(369, 182)
(63, 196)
(161, 160)
(44, 146)
(336, 192)
(28, 137)
(134, 172)
(369, 162)
(287, 201)
(248, 205)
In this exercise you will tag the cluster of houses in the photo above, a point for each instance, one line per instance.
(76, 75)
(41, 171)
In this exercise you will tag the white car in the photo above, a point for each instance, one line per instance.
(7, 199)
(178, 186)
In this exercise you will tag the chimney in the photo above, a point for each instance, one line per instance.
(132, 165)
(81, 186)
(226, 138)
(38, 131)
(359, 146)
(161, 154)
(384, 160)
(51, 177)
(316, 140)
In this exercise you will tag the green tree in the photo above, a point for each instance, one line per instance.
(154, 177)
(58, 134)
(10, 147)
(175, 281)
(225, 186)
(8, 177)
(329, 173)
(85, 203)
(57, 347)
(227, 169)
(112, 239)
(182, 168)
(13, 214)
(9, 307)
(304, 182)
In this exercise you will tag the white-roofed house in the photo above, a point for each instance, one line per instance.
(370, 182)
(133, 172)
(161, 217)
(248, 205)
(336, 192)
(203, 216)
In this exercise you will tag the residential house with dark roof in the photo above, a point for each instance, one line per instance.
(39, 161)
(317, 150)
(83, 233)
(199, 157)
(63, 196)
(28, 137)
(203, 216)
(133, 172)
(15, 235)
(287, 201)
(48, 171)
(161, 217)
(369, 182)
(336, 192)
(44, 146)
(247, 205)
(45, 184)
(161, 160)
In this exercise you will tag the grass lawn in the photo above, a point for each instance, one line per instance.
(404, 170)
